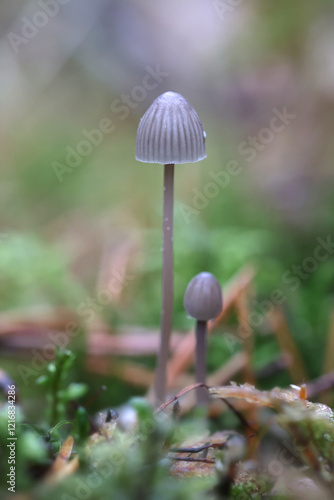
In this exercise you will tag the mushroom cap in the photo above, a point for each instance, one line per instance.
(203, 297)
(170, 132)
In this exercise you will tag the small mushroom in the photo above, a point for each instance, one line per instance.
(169, 132)
(202, 301)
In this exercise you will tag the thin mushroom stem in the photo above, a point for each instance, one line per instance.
(167, 283)
(200, 365)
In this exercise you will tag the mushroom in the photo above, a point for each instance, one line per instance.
(202, 301)
(169, 132)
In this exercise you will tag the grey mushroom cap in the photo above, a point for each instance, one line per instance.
(203, 297)
(170, 132)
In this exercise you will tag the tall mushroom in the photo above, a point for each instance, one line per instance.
(169, 132)
(202, 301)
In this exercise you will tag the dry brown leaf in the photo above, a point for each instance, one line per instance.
(274, 398)
(62, 467)
(252, 395)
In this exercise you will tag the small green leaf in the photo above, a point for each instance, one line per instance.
(62, 422)
(82, 423)
(74, 391)
(43, 380)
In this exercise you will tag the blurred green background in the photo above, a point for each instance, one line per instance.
(67, 66)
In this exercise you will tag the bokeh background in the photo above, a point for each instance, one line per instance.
(68, 230)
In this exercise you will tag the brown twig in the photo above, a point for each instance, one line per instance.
(226, 372)
(198, 449)
(129, 372)
(191, 459)
(287, 344)
(245, 333)
(321, 384)
(327, 397)
(134, 342)
(178, 395)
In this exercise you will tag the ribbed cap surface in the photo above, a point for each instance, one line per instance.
(170, 132)
(203, 297)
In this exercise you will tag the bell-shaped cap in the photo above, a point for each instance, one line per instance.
(170, 132)
(203, 297)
